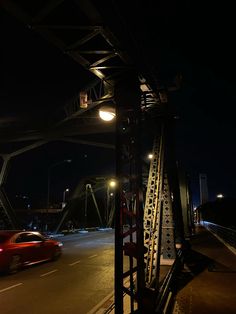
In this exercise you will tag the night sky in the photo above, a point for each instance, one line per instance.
(196, 40)
(206, 133)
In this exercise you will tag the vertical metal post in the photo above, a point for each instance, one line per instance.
(107, 205)
(118, 220)
(86, 205)
(129, 211)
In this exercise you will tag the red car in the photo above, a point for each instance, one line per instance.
(21, 248)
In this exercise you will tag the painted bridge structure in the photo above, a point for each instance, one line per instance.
(153, 214)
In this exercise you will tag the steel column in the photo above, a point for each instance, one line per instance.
(128, 213)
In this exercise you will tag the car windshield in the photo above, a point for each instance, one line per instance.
(44, 235)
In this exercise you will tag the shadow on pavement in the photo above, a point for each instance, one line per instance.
(194, 263)
(220, 268)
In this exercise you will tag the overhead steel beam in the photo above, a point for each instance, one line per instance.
(49, 7)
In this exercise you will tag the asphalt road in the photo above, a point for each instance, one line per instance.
(78, 281)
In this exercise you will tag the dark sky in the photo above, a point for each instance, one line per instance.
(196, 40)
(29, 173)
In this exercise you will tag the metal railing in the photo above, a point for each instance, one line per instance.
(165, 295)
(226, 234)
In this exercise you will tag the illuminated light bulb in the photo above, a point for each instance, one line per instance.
(107, 113)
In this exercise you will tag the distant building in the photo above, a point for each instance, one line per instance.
(203, 188)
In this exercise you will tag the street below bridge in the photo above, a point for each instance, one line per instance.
(75, 283)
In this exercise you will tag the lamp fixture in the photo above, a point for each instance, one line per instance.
(112, 183)
(107, 113)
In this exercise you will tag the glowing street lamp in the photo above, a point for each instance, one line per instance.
(150, 156)
(112, 183)
(107, 113)
(220, 195)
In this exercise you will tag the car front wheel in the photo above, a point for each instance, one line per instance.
(15, 264)
(56, 254)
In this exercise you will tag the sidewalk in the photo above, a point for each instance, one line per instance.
(208, 282)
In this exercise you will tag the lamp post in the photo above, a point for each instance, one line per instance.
(110, 192)
(49, 177)
(64, 197)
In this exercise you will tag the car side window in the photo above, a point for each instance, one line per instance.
(20, 238)
(33, 237)
(28, 237)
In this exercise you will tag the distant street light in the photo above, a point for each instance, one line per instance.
(112, 183)
(64, 197)
(49, 177)
(219, 195)
(150, 156)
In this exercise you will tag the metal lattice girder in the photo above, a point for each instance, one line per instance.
(152, 212)
(167, 241)
(159, 237)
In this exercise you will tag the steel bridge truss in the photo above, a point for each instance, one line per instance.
(158, 217)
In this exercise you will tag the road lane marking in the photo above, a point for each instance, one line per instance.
(72, 264)
(11, 287)
(49, 273)
(93, 256)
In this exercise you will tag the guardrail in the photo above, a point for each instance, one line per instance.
(164, 300)
(165, 295)
(226, 234)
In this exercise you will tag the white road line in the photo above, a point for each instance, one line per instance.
(93, 256)
(49, 273)
(72, 264)
(11, 287)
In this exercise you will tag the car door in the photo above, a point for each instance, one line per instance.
(37, 245)
(24, 247)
